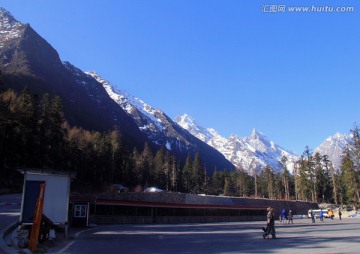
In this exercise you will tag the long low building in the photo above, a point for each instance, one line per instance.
(165, 207)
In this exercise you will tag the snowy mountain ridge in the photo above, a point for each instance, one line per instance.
(10, 28)
(161, 129)
(334, 146)
(249, 153)
(147, 118)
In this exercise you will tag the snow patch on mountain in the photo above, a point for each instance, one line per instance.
(9, 27)
(249, 153)
(129, 103)
(333, 147)
(150, 121)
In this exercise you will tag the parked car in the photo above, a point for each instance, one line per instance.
(118, 188)
(153, 189)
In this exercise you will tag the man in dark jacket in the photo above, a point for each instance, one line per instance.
(270, 220)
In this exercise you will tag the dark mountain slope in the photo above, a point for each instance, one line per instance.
(29, 60)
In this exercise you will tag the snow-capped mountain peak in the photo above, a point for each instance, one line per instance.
(187, 121)
(9, 27)
(250, 153)
(7, 21)
(333, 147)
(189, 124)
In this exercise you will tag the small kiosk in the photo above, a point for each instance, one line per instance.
(56, 195)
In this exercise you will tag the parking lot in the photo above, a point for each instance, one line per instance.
(331, 236)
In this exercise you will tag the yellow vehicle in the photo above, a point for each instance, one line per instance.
(317, 213)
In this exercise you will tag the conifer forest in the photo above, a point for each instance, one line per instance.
(35, 134)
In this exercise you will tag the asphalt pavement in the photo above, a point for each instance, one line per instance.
(10, 205)
(331, 236)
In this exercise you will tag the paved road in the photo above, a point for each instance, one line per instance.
(242, 237)
(10, 205)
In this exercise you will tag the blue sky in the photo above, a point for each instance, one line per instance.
(293, 76)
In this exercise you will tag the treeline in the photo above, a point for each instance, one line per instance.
(316, 179)
(34, 134)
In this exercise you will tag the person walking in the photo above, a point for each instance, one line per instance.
(290, 217)
(312, 215)
(321, 215)
(339, 213)
(331, 214)
(270, 221)
(283, 216)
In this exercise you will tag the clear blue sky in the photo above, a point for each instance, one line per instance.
(293, 76)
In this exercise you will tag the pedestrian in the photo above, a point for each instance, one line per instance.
(340, 213)
(290, 217)
(270, 224)
(321, 215)
(331, 214)
(283, 216)
(312, 215)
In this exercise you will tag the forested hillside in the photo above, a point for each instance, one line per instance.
(34, 133)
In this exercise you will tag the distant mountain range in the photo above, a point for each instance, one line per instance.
(250, 153)
(256, 151)
(91, 102)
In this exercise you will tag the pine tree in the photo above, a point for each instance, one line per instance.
(197, 175)
(227, 186)
(285, 178)
(303, 183)
(355, 147)
(167, 170)
(159, 169)
(335, 186)
(25, 126)
(147, 164)
(217, 182)
(269, 178)
(187, 174)
(8, 137)
(349, 178)
(116, 147)
(321, 177)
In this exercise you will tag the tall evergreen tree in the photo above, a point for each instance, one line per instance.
(334, 183)
(197, 175)
(217, 182)
(285, 178)
(349, 178)
(322, 180)
(355, 147)
(269, 178)
(187, 174)
(159, 168)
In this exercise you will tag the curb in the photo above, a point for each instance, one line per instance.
(10, 203)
